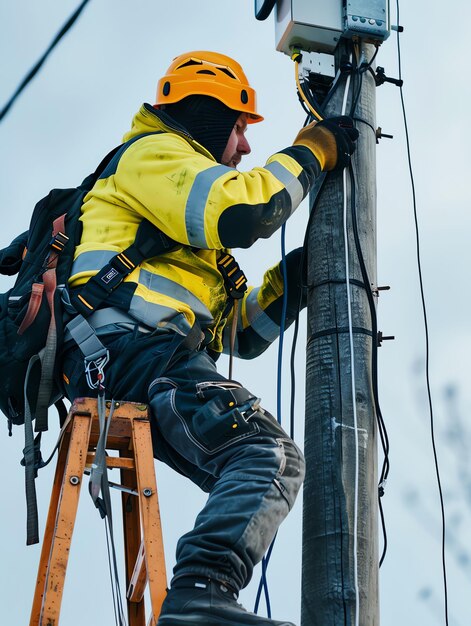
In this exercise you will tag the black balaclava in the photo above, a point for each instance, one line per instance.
(207, 119)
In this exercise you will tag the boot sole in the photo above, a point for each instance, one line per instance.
(181, 620)
(175, 620)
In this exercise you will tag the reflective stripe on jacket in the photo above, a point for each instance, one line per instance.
(163, 175)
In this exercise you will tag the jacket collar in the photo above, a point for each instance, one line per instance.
(149, 119)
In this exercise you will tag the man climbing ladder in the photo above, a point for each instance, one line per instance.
(174, 313)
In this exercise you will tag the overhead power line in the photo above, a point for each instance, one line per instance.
(35, 69)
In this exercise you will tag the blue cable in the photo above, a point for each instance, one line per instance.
(263, 584)
(282, 322)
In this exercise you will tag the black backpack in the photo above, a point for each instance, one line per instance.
(30, 312)
(33, 311)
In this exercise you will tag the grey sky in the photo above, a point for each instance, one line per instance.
(79, 107)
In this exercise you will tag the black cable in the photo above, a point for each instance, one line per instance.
(113, 597)
(332, 90)
(293, 372)
(383, 526)
(357, 77)
(424, 310)
(310, 98)
(313, 101)
(374, 357)
(365, 68)
(359, 71)
(35, 69)
(302, 103)
(357, 82)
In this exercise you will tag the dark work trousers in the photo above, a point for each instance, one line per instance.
(214, 432)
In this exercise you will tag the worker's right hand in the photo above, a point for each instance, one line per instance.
(332, 141)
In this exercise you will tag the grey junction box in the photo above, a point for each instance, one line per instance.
(368, 19)
(312, 25)
(317, 25)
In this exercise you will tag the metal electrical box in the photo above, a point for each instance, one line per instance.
(313, 25)
(317, 25)
(368, 19)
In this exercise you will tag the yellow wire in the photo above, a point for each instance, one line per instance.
(317, 115)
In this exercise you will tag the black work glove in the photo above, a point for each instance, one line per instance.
(295, 273)
(332, 141)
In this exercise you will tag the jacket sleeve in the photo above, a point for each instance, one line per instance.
(201, 203)
(260, 313)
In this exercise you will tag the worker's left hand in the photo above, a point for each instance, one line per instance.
(295, 271)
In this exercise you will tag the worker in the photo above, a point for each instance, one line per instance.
(166, 324)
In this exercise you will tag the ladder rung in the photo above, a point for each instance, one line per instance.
(113, 461)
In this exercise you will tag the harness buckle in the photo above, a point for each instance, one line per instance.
(234, 278)
(95, 370)
(59, 241)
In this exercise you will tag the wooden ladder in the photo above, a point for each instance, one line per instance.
(129, 434)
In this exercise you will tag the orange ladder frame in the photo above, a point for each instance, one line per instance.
(129, 433)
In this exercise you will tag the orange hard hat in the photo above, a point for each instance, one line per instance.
(208, 74)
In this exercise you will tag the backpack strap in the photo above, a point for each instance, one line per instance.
(91, 179)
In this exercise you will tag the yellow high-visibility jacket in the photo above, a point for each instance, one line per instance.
(163, 175)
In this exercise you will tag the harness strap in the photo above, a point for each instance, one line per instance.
(149, 242)
(34, 304)
(29, 460)
(235, 315)
(47, 356)
(108, 320)
(57, 244)
(235, 283)
(85, 337)
(95, 355)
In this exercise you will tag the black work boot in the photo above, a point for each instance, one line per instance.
(209, 602)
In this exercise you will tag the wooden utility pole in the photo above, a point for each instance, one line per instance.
(340, 521)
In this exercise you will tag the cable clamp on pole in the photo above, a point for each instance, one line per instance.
(381, 78)
(382, 338)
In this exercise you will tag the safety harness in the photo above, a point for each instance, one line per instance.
(235, 283)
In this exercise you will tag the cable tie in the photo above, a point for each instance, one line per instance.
(338, 281)
(381, 488)
(358, 330)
